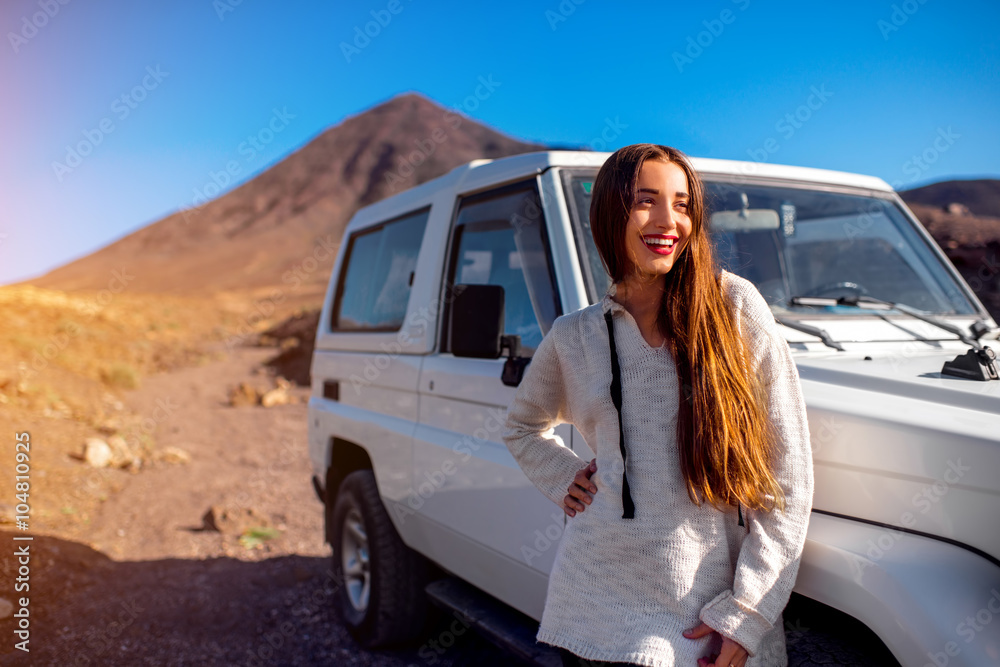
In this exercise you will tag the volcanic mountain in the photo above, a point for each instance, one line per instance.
(280, 222)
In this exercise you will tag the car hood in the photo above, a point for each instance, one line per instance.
(898, 444)
(905, 373)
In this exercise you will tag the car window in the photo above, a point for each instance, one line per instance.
(831, 244)
(374, 288)
(821, 243)
(499, 239)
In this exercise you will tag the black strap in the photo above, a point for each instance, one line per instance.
(616, 398)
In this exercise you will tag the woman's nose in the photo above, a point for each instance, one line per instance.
(667, 221)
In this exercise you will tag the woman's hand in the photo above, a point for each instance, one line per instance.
(730, 655)
(580, 490)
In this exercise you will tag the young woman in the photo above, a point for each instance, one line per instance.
(687, 528)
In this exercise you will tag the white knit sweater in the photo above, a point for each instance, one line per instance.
(625, 589)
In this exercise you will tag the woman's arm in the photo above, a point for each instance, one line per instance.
(539, 404)
(771, 551)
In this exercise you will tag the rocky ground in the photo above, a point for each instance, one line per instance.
(215, 561)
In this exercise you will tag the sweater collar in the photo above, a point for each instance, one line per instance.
(608, 304)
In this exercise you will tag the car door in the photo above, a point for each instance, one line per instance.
(492, 526)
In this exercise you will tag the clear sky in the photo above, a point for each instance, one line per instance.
(161, 95)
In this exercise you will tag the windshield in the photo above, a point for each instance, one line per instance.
(792, 241)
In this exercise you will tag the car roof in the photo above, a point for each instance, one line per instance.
(507, 169)
(538, 161)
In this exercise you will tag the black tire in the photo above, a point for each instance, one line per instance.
(817, 635)
(397, 610)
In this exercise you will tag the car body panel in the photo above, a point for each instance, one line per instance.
(921, 596)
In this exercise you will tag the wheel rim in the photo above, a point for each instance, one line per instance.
(354, 558)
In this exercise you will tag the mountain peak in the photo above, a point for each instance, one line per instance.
(255, 234)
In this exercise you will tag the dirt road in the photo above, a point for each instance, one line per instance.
(144, 582)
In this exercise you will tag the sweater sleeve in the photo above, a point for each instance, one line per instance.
(539, 404)
(770, 553)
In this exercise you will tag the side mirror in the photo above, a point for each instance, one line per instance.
(476, 324)
(476, 329)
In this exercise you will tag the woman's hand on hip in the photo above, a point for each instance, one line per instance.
(580, 490)
(730, 655)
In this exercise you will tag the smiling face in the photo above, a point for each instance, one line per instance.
(658, 224)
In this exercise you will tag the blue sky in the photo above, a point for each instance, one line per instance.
(161, 95)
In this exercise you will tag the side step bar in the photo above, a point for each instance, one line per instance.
(500, 624)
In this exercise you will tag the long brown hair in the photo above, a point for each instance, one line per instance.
(723, 432)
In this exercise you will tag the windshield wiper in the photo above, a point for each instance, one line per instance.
(809, 329)
(871, 303)
(976, 364)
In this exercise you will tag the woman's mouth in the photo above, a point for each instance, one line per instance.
(661, 244)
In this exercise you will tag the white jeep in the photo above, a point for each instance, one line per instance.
(415, 364)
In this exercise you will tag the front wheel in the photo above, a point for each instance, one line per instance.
(381, 597)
